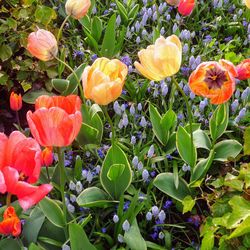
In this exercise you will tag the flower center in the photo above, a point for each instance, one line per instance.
(215, 78)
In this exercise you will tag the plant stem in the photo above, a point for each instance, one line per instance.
(75, 75)
(171, 101)
(47, 171)
(8, 199)
(18, 121)
(189, 112)
(105, 110)
(60, 30)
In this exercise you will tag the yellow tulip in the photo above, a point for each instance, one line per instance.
(247, 2)
(104, 80)
(161, 60)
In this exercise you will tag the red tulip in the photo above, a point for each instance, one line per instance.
(11, 224)
(243, 69)
(186, 7)
(56, 121)
(20, 165)
(15, 101)
(47, 157)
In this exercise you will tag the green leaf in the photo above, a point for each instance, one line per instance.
(52, 211)
(227, 149)
(219, 120)
(108, 44)
(133, 238)
(168, 120)
(154, 246)
(242, 229)
(44, 14)
(60, 85)
(31, 96)
(123, 12)
(201, 139)
(78, 167)
(5, 52)
(247, 141)
(133, 12)
(32, 246)
(166, 183)
(9, 244)
(79, 239)
(208, 241)
(93, 197)
(96, 28)
(33, 225)
(188, 204)
(185, 147)
(116, 187)
(115, 171)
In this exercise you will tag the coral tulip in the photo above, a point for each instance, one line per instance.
(56, 121)
(77, 8)
(243, 69)
(186, 7)
(104, 80)
(11, 224)
(20, 165)
(214, 80)
(161, 60)
(15, 101)
(47, 157)
(247, 3)
(42, 44)
(173, 2)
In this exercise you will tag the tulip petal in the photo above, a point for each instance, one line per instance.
(3, 143)
(3, 187)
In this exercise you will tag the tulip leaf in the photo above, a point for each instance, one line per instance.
(123, 12)
(247, 141)
(97, 28)
(9, 244)
(201, 139)
(118, 185)
(115, 171)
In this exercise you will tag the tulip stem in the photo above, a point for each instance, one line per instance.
(60, 30)
(75, 75)
(8, 199)
(173, 88)
(189, 112)
(60, 154)
(105, 110)
(18, 121)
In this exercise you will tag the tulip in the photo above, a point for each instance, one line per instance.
(161, 60)
(243, 69)
(173, 2)
(186, 7)
(15, 101)
(247, 3)
(42, 44)
(77, 8)
(104, 80)
(56, 121)
(47, 156)
(20, 165)
(214, 80)
(11, 224)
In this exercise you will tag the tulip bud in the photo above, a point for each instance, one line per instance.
(186, 7)
(15, 101)
(77, 8)
(173, 2)
(243, 70)
(42, 44)
(47, 157)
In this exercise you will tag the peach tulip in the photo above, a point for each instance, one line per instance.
(247, 3)
(214, 80)
(15, 101)
(42, 44)
(77, 8)
(56, 121)
(161, 60)
(186, 7)
(104, 80)
(173, 2)
(243, 69)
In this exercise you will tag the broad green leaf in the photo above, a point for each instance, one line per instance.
(207, 242)
(32, 246)
(188, 204)
(242, 229)
(219, 120)
(168, 120)
(5, 52)
(116, 187)
(44, 14)
(60, 85)
(115, 171)
(165, 182)
(108, 44)
(97, 28)
(31, 96)
(247, 141)
(201, 139)
(50, 241)
(93, 197)
(185, 147)
(78, 238)
(233, 182)
(133, 238)
(52, 211)
(154, 246)
(9, 244)
(227, 149)
(33, 225)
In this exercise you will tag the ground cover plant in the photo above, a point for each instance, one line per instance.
(124, 124)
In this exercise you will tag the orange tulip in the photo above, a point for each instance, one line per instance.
(186, 7)
(11, 224)
(104, 80)
(15, 101)
(42, 44)
(173, 2)
(247, 3)
(47, 157)
(161, 60)
(214, 80)
(243, 69)
(76, 8)
(56, 121)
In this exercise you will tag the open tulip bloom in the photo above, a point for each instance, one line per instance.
(214, 80)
